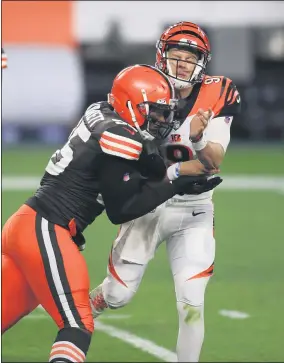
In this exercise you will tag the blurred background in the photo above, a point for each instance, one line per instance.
(63, 56)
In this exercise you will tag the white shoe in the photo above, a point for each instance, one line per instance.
(97, 301)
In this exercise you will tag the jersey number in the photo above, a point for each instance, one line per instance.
(177, 152)
(212, 80)
(63, 157)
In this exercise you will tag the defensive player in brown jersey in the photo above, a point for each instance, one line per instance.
(184, 222)
(105, 164)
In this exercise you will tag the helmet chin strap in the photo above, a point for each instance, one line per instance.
(144, 134)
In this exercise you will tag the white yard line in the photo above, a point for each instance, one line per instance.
(140, 343)
(238, 182)
(115, 317)
(234, 314)
(231, 182)
(143, 344)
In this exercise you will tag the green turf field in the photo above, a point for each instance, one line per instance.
(248, 275)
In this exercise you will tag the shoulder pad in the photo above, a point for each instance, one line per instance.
(98, 117)
(121, 140)
(229, 102)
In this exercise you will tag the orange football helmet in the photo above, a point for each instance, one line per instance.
(145, 98)
(184, 36)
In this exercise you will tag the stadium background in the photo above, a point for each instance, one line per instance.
(62, 56)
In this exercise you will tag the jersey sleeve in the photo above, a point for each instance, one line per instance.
(218, 131)
(126, 194)
(229, 102)
(122, 141)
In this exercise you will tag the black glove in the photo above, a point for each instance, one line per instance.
(151, 163)
(195, 184)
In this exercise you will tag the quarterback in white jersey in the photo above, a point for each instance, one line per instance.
(184, 222)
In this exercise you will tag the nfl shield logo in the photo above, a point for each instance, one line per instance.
(126, 177)
(227, 119)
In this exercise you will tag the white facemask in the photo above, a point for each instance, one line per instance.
(180, 84)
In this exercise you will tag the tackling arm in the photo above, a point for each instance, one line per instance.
(126, 194)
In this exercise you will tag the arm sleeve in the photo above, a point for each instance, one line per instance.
(218, 131)
(126, 194)
(227, 107)
(229, 102)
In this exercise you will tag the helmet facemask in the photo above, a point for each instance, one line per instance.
(159, 118)
(198, 73)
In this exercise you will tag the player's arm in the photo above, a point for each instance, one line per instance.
(212, 155)
(191, 167)
(126, 194)
(211, 145)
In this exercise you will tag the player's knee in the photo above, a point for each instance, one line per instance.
(116, 294)
(188, 313)
(88, 323)
(80, 311)
(192, 292)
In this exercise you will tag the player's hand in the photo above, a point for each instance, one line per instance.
(152, 166)
(151, 163)
(199, 123)
(195, 168)
(195, 185)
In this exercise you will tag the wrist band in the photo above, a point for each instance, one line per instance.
(173, 171)
(199, 145)
(196, 139)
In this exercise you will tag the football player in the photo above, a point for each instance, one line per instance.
(104, 164)
(185, 223)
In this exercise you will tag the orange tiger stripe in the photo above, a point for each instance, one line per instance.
(113, 271)
(205, 273)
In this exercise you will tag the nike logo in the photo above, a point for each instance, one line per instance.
(130, 131)
(196, 214)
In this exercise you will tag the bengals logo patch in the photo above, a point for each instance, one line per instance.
(175, 138)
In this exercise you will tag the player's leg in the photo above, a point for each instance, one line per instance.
(191, 253)
(58, 276)
(120, 285)
(17, 297)
(134, 246)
